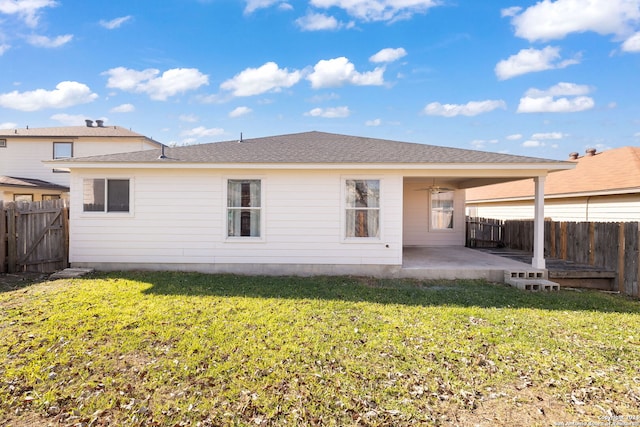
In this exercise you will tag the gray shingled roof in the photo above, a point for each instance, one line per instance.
(70, 132)
(312, 147)
(12, 181)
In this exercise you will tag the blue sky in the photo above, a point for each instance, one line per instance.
(523, 77)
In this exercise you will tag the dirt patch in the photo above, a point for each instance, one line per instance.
(14, 281)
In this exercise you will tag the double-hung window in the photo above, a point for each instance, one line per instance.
(244, 207)
(442, 210)
(362, 208)
(106, 195)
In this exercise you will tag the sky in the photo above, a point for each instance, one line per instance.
(535, 78)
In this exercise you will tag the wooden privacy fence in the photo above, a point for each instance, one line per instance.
(611, 245)
(34, 236)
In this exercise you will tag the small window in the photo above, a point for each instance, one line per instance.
(244, 208)
(50, 196)
(106, 195)
(362, 208)
(23, 197)
(442, 210)
(3, 143)
(62, 150)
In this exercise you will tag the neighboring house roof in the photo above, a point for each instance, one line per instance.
(10, 181)
(316, 148)
(73, 132)
(615, 171)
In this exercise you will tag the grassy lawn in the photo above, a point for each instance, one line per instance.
(193, 349)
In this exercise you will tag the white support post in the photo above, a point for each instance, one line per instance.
(538, 225)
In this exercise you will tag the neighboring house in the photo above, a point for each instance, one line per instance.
(603, 187)
(24, 177)
(307, 203)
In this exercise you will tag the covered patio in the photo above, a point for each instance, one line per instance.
(456, 262)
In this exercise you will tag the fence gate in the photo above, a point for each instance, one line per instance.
(34, 236)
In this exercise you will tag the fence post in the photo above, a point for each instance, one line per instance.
(12, 244)
(638, 265)
(563, 240)
(592, 243)
(3, 237)
(621, 250)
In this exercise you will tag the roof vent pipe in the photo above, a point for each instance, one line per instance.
(100, 123)
(573, 156)
(162, 156)
(89, 123)
(591, 152)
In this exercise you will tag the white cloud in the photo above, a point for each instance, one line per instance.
(267, 78)
(201, 132)
(339, 71)
(44, 41)
(378, 10)
(69, 119)
(532, 143)
(170, 83)
(552, 20)
(115, 23)
(374, 122)
(548, 104)
(8, 125)
(318, 22)
(632, 44)
(561, 89)
(66, 94)
(253, 5)
(388, 55)
(548, 135)
(240, 111)
(123, 108)
(510, 11)
(3, 48)
(189, 118)
(637, 134)
(472, 108)
(514, 137)
(330, 113)
(531, 60)
(27, 10)
(482, 143)
(555, 99)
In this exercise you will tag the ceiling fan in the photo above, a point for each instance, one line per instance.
(435, 189)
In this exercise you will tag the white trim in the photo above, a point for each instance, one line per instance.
(106, 214)
(526, 169)
(343, 210)
(263, 228)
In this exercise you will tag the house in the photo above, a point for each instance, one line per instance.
(306, 203)
(603, 187)
(22, 175)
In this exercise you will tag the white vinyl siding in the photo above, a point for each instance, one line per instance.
(23, 156)
(180, 218)
(624, 207)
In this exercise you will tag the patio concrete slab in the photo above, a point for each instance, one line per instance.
(451, 263)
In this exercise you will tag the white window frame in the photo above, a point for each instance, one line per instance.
(225, 216)
(62, 170)
(3, 143)
(344, 207)
(453, 218)
(105, 213)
